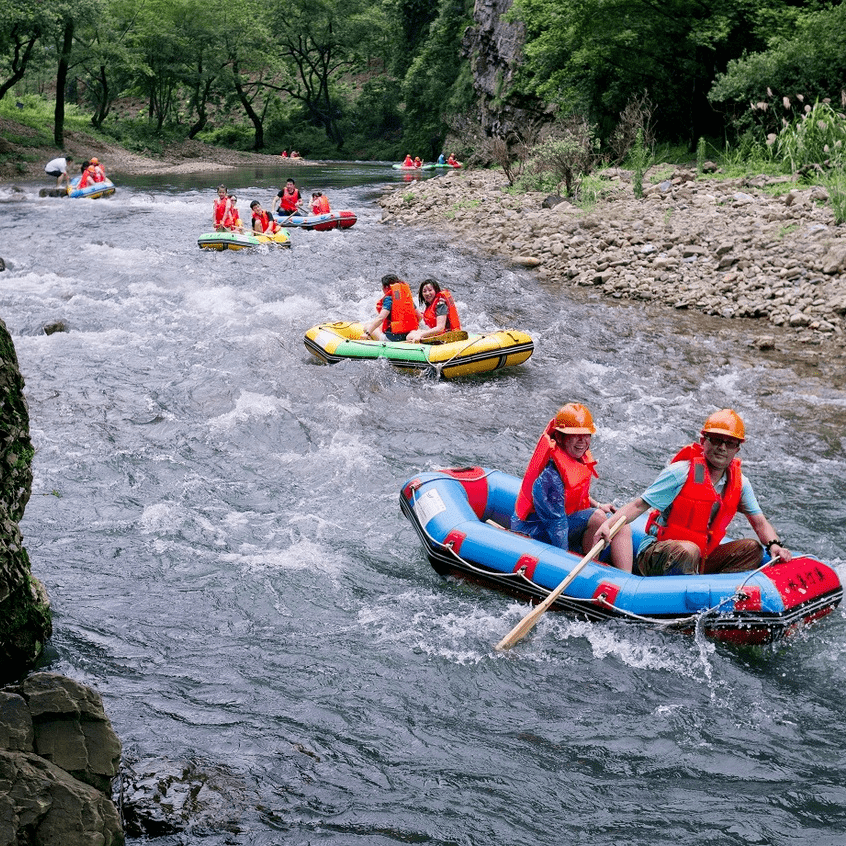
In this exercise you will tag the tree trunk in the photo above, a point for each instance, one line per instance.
(61, 82)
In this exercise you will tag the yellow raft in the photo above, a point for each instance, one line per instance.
(241, 240)
(453, 354)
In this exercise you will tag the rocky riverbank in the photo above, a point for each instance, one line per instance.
(757, 247)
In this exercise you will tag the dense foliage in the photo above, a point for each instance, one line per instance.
(385, 78)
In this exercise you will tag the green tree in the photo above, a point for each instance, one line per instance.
(23, 24)
(320, 41)
(438, 81)
(592, 56)
(809, 60)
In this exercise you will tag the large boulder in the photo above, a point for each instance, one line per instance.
(58, 758)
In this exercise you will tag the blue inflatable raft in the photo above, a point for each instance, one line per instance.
(459, 515)
(93, 191)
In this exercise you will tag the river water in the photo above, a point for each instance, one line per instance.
(215, 516)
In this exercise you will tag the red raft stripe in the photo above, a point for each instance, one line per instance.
(527, 563)
(475, 483)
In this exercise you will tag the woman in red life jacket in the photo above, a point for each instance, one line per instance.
(91, 173)
(418, 162)
(438, 314)
(395, 312)
(452, 160)
(263, 223)
(554, 504)
(408, 162)
(220, 209)
(288, 202)
(323, 203)
(232, 218)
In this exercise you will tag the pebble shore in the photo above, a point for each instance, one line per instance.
(754, 247)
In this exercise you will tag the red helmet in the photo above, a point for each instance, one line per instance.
(574, 419)
(724, 422)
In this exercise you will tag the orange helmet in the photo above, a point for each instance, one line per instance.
(94, 160)
(574, 419)
(725, 422)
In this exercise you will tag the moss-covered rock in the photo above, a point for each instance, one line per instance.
(25, 621)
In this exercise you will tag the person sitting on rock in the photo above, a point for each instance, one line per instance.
(395, 312)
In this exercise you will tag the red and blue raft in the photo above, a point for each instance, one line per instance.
(451, 510)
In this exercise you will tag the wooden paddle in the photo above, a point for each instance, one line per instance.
(531, 619)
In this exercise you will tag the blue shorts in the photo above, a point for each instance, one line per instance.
(576, 528)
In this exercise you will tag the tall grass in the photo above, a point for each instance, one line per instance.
(816, 137)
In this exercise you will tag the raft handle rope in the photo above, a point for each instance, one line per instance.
(698, 618)
(439, 366)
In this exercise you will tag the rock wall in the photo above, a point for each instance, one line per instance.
(58, 752)
(25, 621)
(494, 47)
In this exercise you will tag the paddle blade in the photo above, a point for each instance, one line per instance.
(531, 619)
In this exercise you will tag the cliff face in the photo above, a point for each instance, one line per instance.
(24, 607)
(495, 49)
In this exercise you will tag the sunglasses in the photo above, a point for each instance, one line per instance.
(728, 443)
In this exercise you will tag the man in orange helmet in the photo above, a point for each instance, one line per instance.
(554, 504)
(693, 500)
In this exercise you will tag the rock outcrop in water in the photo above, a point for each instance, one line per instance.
(25, 622)
(724, 247)
(58, 752)
(58, 756)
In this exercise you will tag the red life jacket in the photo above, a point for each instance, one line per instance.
(290, 200)
(98, 173)
(86, 179)
(576, 475)
(690, 514)
(403, 316)
(266, 222)
(431, 319)
(323, 204)
(221, 206)
(409, 162)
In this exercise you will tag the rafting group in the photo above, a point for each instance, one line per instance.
(417, 163)
(92, 181)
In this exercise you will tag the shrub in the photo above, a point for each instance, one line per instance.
(569, 153)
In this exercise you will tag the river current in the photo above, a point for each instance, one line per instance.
(215, 517)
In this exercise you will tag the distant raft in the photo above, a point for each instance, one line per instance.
(241, 240)
(319, 222)
(452, 355)
(413, 167)
(93, 190)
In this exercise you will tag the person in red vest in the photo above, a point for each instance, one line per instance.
(288, 199)
(232, 218)
(263, 222)
(395, 312)
(93, 173)
(220, 209)
(408, 162)
(438, 314)
(319, 203)
(693, 500)
(554, 504)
